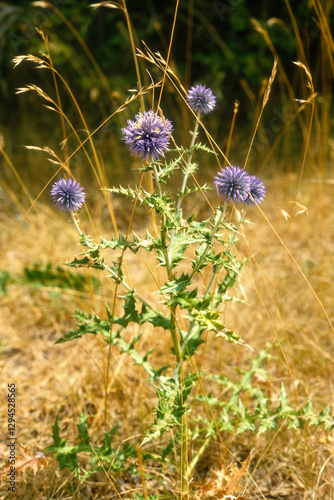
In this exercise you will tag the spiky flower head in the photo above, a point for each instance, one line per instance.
(257, 191)
(148, 136)
(233, 184)
(68, 195)
(201, 99)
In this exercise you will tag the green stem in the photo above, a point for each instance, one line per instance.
(184, 181)
(187, 171)
(175, 339)
(220, 214)
(169, 274)
(230, 243)
(163, 229)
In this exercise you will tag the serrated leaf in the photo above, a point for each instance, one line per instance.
(245, 425)
(191, 346)
(171, 407)
(208, 320)
(203, 147)
(262, 402)
(295, 423)
(158, 320)
(168, 168)
(283, 407)
(267, 424)
(58, 441)
(176, 286)
(51, 276)
(225, 423)
(130, 312)
(83, 430)
(308, 409)
(84, 262)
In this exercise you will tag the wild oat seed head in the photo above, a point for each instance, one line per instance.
(68, 195)
(148, 136)
(257, 191)
(201, 99)
(233, 184)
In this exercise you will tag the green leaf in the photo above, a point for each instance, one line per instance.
(327, 418)
(283, 407)
(190, 347)
(225, 423)
(65, 454)
(164, 205)
(67, 458)
(266, 424)
(130, 312)
(171, 407)
(158, 320)
(57, 277)
(91, 323)
(295, 422)
(84, 262)
(176, 286)
(129, 192)
(5, 278)
(203, 147)
(244, 425)
(83, 430)
(58, 442)
(168, 168)
(208, 320)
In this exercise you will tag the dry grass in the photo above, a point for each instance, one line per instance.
(69, 378)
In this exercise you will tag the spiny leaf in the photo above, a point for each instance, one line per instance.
(177, 285)
(84, 262)
(171, 407)
(57, 277)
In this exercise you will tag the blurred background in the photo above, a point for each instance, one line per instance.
(228, 45)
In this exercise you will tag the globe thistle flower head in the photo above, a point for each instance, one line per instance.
(233, 184)
(148, 136)
(257, 191)
(68, 195)
(201, 99)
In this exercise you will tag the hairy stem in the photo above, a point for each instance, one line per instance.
(219, 216)
(169, 274)
(184, 182)
(187, 170)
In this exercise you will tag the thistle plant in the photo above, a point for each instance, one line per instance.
(233, 184)
(68, 195)
(148, 136)
(201, 99)
(185, 247)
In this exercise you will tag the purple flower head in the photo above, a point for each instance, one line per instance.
(201, 99)
(148, 136)
(233, 184)
(257, 191)
(68, 195)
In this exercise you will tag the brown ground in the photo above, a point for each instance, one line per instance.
(69, 378)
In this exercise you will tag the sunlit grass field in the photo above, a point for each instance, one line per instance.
(286, 306)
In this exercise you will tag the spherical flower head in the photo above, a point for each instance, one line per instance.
(201, 99)
(257, 191)
(68, 195)
(148, 136)
(233, 184)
